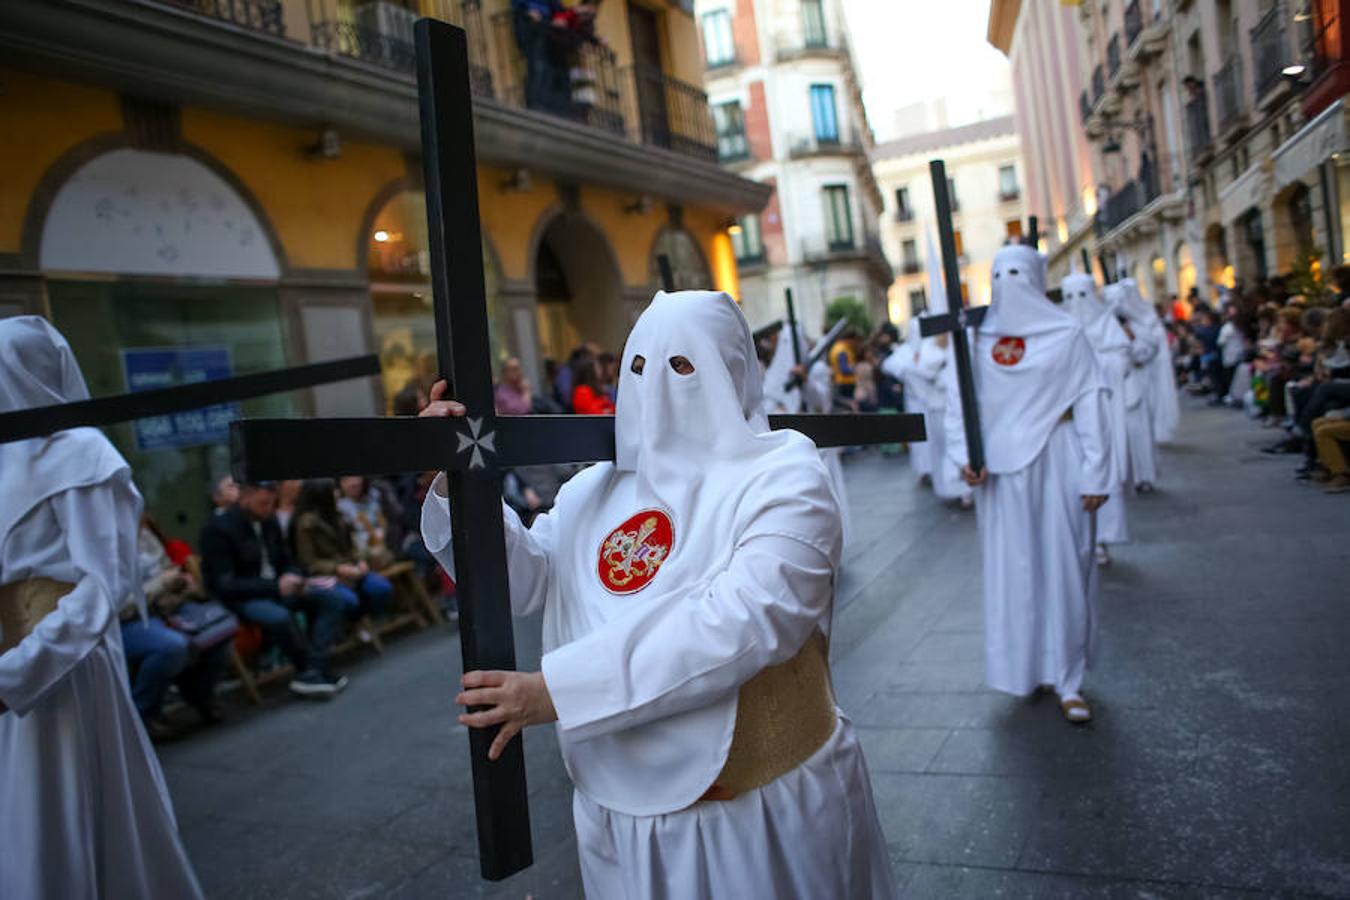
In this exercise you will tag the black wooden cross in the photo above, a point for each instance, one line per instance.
(477, 449)
(958, 319)
(1033, 231)
(41, 421)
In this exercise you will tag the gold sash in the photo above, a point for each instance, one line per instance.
(23, 604)
(784, 714)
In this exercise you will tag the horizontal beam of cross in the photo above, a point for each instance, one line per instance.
(274, 449)
(943, 323)
(41, 421)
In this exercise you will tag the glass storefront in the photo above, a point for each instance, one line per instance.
(129, 334)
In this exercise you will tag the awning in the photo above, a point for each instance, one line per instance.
(1312, 145)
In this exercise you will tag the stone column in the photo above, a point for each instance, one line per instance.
(519, 303)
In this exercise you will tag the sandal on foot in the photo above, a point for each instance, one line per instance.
(1102, 556)
(1076, 710)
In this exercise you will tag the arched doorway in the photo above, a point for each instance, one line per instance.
(159, 271)
(687, 262)
(1216, 256)
(579, 288)
(1186, 275)
(398, 263)
(1251, 245)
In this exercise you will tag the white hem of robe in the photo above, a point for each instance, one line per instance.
(1039, 584)
(780, 841)
(1139, 433)
(1112, 522)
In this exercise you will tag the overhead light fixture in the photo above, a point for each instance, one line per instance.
(1294, 71)
(381, 236)
(734, 228)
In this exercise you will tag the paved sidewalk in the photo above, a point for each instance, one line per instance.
(1216, 766)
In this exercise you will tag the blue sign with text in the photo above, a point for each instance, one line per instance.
(161, 367)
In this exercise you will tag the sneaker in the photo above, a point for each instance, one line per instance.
(160, 728)
(316, 684)
(1339, 484)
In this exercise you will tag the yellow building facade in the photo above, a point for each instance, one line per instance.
(188, 196)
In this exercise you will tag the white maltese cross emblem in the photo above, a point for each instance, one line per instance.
(476, 442)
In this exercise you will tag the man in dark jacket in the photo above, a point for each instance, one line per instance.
(247, 566)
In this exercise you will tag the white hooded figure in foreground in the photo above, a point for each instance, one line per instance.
(1112, 346)
(1043, 420)
(686, 591)
(83, 807)
(815, 394)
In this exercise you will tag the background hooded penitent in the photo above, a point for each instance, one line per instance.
(37, 368)
(1021, 404)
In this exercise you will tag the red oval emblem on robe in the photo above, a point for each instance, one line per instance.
(1009, 351)
(631, 554)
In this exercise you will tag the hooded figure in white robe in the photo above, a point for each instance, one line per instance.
(902, 365)
(1044, 424)
(83, 807)
(1162, 378)
(815, 395)
(1112, 346)
(1144, 330)
(686, 591)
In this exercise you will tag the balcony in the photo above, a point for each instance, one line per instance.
(1084, 107)
(1009, 196)
(733, 147)
(1113, 55)
(257, 15)
(1125, 203)
(842, 143)
(1198, 139)
(850, 249)
(348, 66)
(911, 267)
(1134, 23)
(1098, 84)
(1269, 54)
(789, 46)
(904, 215)
(1228, 107)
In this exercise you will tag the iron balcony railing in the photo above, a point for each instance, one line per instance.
(816, 143)
(259, 15)
(1198, 137)
(1134, 23)
(904, 215)
(911, 267)
(1113, 55)
(1228, 106)
(1084, 106)
(1268, 50)
(1098, 84)
(672, 114)
(1126, 202)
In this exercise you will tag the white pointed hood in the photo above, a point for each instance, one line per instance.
(37, 368)
(1162, 384)
(1032, 362)
(779, 370)
(1093, 313)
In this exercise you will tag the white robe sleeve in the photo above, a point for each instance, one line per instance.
(1090, 423)
(954, 426)
(98, 524)
(894, 363)
(818, 389)
(528, 550)
(636, 669)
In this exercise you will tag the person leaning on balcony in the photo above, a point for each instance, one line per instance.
(532, 21)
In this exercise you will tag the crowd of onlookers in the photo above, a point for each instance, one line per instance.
(1281, 357)
(282, 573)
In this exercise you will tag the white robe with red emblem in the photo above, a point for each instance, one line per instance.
(1042, 416)
(704, 554)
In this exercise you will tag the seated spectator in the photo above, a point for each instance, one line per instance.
(161, 655)
(247, 566)
(324, 546)
(588, 390)
(287, 494)
(224, 495)
(1331, 433)
(609, 374)
(512, 394)
(373, 515)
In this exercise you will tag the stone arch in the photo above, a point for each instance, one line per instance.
(1185, 268)
(1217, 265)
(1294, 230)
(688, 261)
(589, 303)
(106, 206)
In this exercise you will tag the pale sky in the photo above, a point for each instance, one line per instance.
(909, 51)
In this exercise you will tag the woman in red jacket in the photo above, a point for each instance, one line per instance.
(588, 393)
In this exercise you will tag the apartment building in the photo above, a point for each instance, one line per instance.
(788, 114)
(1214, 130)
(985, 183)
(235, 186)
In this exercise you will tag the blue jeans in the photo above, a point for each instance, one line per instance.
(325, 610)
(162, 656)
(368, 597)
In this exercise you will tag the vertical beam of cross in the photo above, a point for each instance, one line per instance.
(951, 273)
(464, 356)
(1033, 231)
(792, 328)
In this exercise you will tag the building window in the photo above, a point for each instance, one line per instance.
(1013, 227)
(838, 218)
(747, 243)
(1007, 183)
(918, 302)
(909, 252)
(951, 193)
(823, 114)
(718, 46)
(813, 23)
(960, 244)
(730, 123)
(903, 212)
